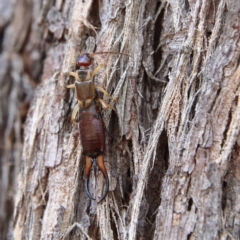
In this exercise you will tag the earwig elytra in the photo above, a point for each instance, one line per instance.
(87, 115)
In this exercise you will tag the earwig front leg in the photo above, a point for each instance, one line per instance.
(75, 75)
(97, 69)
(105, 93)
(74, 114)
(105, 105)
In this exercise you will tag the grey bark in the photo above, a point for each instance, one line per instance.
(172, 145)
(19, 73)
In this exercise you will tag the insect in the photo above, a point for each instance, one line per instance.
(87, 114)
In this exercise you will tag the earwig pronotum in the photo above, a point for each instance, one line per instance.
(87, 115)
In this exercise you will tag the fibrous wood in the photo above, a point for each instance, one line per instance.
(173, 142)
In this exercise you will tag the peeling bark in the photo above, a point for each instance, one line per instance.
(172, 146)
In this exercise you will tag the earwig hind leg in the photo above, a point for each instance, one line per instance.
(100, 163)
(105, 105)
(97, 69)
(105, 93)
(88, 170)
(74, 114)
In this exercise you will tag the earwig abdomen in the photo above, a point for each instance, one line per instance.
(92, 131)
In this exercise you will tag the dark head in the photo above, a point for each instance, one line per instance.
(84, 60)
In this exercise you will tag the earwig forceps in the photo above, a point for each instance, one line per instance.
(100, 163)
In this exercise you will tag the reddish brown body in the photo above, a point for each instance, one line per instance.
(92, 136)
(91, 131)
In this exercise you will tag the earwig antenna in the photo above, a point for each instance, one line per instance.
(92, 54)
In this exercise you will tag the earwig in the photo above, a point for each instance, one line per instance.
(87, 114)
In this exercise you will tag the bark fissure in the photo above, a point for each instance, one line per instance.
(171, 145)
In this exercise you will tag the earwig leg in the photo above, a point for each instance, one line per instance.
(100, 163)
(105, 93)
(74, 114)
(97, 69)
(70, 86)
(88, 170)
(105, 105)
(74, 74)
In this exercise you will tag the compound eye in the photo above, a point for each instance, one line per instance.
(84, 60)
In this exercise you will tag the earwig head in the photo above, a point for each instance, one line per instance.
(85, 60)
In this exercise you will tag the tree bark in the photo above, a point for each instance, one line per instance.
(172, 146)
(19, 73)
